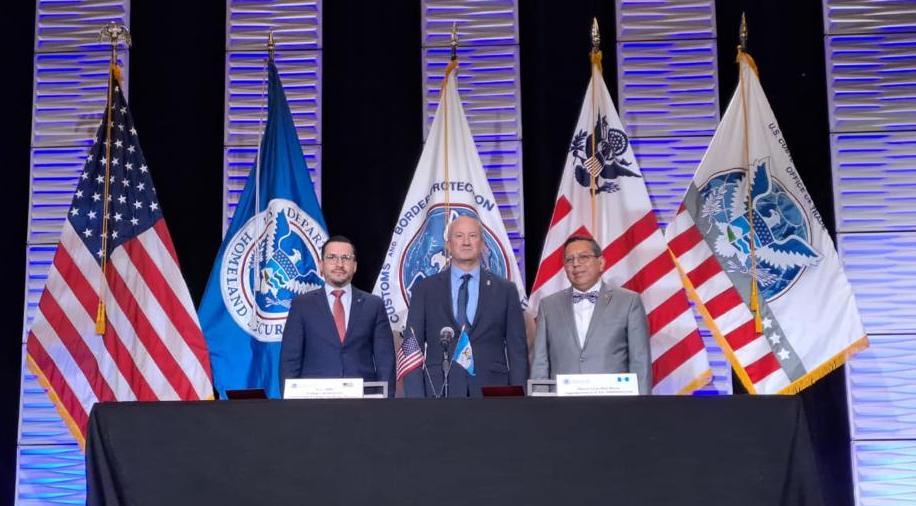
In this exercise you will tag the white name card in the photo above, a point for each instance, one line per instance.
(582, 385)
(323, 388)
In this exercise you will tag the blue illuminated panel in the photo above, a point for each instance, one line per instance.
(70, 82)
(668, 91)
(870, 48)
(297, 34)
(488, 81)
(884, 472)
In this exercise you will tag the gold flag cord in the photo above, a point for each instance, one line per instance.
(744, 57)
(109, 105)
(593, 179)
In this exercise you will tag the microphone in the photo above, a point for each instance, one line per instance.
(445, 339)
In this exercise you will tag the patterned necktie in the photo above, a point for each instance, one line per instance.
(589, 296)
(462, 316)
(340, 320)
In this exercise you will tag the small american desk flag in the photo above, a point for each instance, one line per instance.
(152, 347)
(409, 355)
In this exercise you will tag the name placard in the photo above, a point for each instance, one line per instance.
(585, 385)
(323, 388)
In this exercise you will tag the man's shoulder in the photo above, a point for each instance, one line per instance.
(366, 296)
(555, 299)
(429, 282)
(623, 293)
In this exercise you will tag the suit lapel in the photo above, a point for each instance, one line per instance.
(331, 326)
(445, 278)
(484, 295)
(356, 307)
(568, 318)
(604, 299)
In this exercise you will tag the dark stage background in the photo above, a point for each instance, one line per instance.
(372, 137)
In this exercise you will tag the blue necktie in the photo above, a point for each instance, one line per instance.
(589, 296)
(462, 316)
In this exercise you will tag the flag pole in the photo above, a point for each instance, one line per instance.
(258, 224)
(595, 57)
(452, 65)
(112, 33)
(755, 289)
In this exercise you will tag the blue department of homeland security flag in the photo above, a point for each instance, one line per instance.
(266, 259)
(464, 355)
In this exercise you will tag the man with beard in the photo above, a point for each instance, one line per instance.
(338, 331)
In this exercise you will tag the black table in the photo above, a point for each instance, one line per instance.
(514, 451)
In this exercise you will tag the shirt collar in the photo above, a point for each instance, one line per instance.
(457, 272)
(328, 289)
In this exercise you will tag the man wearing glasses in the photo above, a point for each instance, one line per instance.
(338, 331)
(592, 326)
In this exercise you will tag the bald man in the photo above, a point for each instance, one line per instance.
(466, 296)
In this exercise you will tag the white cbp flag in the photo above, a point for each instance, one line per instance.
(618, 214)
(449, 181)
(810, 323)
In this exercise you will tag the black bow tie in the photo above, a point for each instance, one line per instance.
(589, 296)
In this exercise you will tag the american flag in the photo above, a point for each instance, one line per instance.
(620, 218)
(152, 347)
(409, 356)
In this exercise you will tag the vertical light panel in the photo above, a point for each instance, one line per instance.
(870, 50)
(70, 82)
(488, 80)
(296, 25)
(668, 88)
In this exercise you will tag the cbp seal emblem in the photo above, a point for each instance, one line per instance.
(270, 260)
(425, 253)
(781, 230)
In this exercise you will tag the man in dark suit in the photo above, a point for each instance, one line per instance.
(592, 326)
(466, 296)
(338, 331)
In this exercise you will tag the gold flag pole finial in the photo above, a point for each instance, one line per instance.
(596, 36)
(742, 35)
(271, 45)
(114, 34)
(453, 42)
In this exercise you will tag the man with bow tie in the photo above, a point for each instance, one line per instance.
(592, 326)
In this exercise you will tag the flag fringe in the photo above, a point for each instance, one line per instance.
(826, 368)
(58, 404)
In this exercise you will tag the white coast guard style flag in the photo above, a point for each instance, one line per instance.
(449, 181)
(618, 214)
(810, 323)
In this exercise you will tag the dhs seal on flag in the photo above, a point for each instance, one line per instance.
(260, 277)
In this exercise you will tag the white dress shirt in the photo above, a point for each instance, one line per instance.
(582, 311)
(344, 299)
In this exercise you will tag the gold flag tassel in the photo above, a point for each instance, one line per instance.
(755, 288)
(113, 33)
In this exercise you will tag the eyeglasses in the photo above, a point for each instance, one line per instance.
(581, 258)
(344, 259)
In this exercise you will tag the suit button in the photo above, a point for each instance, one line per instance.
(581, 359)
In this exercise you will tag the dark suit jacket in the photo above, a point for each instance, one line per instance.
(497, 337)
(311, 347)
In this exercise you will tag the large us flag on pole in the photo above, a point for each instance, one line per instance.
(152, 347)
(449, 181)
(602, 194)
(809, 320)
